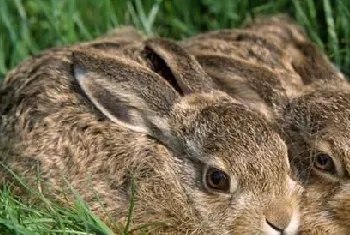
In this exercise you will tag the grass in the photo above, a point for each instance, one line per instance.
(21, 218)
(29, 26)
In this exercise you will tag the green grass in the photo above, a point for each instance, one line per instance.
(29, 26)
(21, 218)
(18, 216)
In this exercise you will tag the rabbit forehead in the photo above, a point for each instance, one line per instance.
(231, 137)
(225, 121)
(326, 108)
(325, 98)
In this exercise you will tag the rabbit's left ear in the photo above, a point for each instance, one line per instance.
(125, 92)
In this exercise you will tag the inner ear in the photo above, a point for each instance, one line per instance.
(177, 66)
(159, 66)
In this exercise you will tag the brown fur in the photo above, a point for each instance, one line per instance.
(103, 117)
(303, 94)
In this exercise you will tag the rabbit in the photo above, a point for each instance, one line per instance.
(200, 161)
(275, 42)
(308, 104)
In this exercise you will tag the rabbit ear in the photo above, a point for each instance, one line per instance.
(116, 40)
(280, 25)
(180, 68)
(253, 85)
(128, 94)
(312, 65)
(126, 32)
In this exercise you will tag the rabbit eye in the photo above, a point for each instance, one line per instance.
(217, 180)
(324, 162)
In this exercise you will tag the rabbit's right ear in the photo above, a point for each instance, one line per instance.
(312, 65)
(253, 85)
(174, 64)
(280, 25)
(128, 94)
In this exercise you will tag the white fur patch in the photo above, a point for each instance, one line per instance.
(294, 224)
(269, 230)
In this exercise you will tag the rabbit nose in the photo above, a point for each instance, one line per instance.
(278, 215)
(275, 227)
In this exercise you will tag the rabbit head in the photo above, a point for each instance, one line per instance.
(316, 126)
(200, 161)
(251, 45)
(311, 114)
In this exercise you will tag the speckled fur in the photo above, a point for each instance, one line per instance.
(51, 127)
(272, 62)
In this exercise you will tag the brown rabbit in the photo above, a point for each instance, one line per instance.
(292, 81)
(201, 161)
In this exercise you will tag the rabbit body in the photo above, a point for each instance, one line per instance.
(106, 115)
(272, 62)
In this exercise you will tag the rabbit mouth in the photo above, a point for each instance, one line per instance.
(290, 229)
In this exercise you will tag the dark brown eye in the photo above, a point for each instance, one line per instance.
(217, 180)
(324, 162)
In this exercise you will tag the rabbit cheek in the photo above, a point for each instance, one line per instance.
(224, 215)
(248, 218)
(341, 205)
(321, 209)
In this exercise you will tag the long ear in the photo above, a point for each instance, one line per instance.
(280, 26)
(308, 60)
(126, 32)
(312, 65)
(253, 85)
(172, 62)
(116, 40)
(128, 94)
